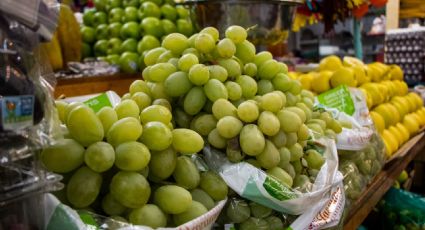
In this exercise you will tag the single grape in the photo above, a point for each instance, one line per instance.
(289, 121)
(238, 211)
(152, 55)
(160, 71)
(252, 140)
(222, 108)
(130, 189)
(281, 175)
(264, 86)
(148, 215)
(127, 108)
(84, 126)
(163, 163)
(285, 156)
(211, 31)
(204, 43)
(181, 118)
(291, 139)
(203, 124)
(307, 111)
(234, 90)
(314, 159)
(155, 113)
(262, 57)
(268, 123)
(271, 102)
(199, 74)
(303, 133)
(162, 102)
(173, 199)
(296, 152)
(253, 223)
(279, 140)
(248, 85)
(233, 151)
(217, 72)
(270, 156)
(132, 156)
(248, 111)
(232, 67)
(268, 69)
(156, 136)
(111, 206)
(213, 185)
(301, 114)
(282, 82)
(142, 100)
(236, 33)
(216, 140)
(186, 174)
(202, 197)
(195, 210)
(289, 168)
(226, 48)
(139, 86)
(83, 187)
(63, 156)
(259, 211)
(194, 101)
(177, 84)
(186, 141)
(215, 89)
(176, 43)
(187, 61)
(229, 126)
(274, 223)
(99, 156)
(70, 107)
(296, 87)
(193, 51)
(124, 130)
(61, 108)
(245, 51)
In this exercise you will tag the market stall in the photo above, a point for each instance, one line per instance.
(196, 115)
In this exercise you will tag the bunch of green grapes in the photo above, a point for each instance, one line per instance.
(240, 101)
(130, 163)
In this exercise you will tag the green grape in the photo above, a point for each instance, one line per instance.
(285, 156)
(155, 113)
(314, 159)
(83, 187)
(279, 140)
(145, 75)
(152, 55)
(213, 185)
(250, 69)
(321, 123)
(186, 174)
(132, 156)
(160, 71)
(330, 133)
(307, 94)
(181, 118)
(211, 31)
(303, 133)
(296, 87)
(70, 107)
(215, 89)
(245, 51)
(187, 61)
(142, 100)
(253, 162)
(124, 130)
(268, 69)
(195, 210)
(281, 175)
(186, 141)
(84, 126)
(296, 152)
(238, 211)
(177, 84)
(301, 183)
(271, 102)
(229, 126)
(232, 67)
(217, 72)
(156, 136)
(165, 57)
(174, 61)
(203, 124)
(127, 108)
(163, 163)
(283, 68)
(63, 156)
(268, 123)
(262, 57)
(335, 126)
(287, 166)
(248, 85)
(139, 86)
(199, 74)
(308, 102)
(172, 199)
(194, 101)
(264, 86)
(270, 156)
(193, 51)
(158, 91)
(202, 197)
(274, 223)
(234, 90)
(126, 96)
(192, 40)
(282, 82)
(162, 102)
(226, 48)
(233, 151)
(111, 206)
(238, 102)
(248, 111)
(130, 189)
(327, 117)
(307, 111)
(175, 42)
(252, 140)
(204, 43)
(99, 156)
(253, 223)
(291, 139)
(61, 108)
(259, 211)
(297, 166)
(299, 112)
(216, 140)
(148, 215)
(236, 33)
(222, 108)
(289, 121)
(282, 96)
(316, 128)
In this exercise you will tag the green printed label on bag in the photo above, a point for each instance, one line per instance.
(98, 102)
(88, 219)
(338, 98)
(277, 190)
(60, 219)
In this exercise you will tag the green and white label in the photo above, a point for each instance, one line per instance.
(96, 103)
(338, 98)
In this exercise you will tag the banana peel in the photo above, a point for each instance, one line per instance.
(69, 35)
(54, 53)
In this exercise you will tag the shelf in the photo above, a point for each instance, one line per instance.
(383, 181)
(90, 85)
(309, 42)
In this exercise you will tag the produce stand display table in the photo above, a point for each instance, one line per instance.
(361, 208)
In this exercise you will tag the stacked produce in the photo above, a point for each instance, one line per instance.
(396, 113)
(121, 31)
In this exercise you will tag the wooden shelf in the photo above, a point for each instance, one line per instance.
(361, 208)
(90, 85)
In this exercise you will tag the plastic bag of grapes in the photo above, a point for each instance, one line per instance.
(275, 188)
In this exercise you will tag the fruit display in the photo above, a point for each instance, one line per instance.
(121, 31)
(396, 113)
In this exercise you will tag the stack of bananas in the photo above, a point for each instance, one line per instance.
(397, 114)
(412, 9)
(65, 45)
